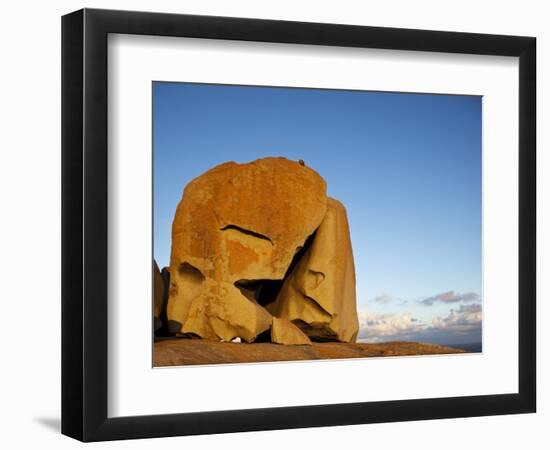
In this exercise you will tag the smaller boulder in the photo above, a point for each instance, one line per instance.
(285, 332)
(158, 296)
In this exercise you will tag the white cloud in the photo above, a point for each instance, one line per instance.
(466, 318)
(451, 297)
(385, 298)
(462, 325)
(380, 327)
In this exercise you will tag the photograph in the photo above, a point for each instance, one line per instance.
(295, 224)
(284, 222)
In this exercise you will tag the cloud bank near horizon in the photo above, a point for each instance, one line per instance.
(460, 326)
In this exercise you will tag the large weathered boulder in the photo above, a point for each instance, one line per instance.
(319, 294)
(236, 227)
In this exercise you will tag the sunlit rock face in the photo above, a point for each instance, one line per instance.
(236, 231)
(285, 332)
(318, 295)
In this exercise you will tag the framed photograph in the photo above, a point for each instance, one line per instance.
(272, 224)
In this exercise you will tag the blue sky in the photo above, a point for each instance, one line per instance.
(406, 166)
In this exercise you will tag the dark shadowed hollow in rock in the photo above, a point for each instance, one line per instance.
(265, 292)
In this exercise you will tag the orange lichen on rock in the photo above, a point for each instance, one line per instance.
(235, 225)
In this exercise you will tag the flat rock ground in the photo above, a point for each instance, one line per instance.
(181, 351)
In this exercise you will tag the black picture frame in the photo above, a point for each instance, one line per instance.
(84, 224)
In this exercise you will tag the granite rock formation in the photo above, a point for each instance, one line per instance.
(319, 294)
(183, 352)
(260, 252)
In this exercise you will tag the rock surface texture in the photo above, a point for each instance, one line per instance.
(319, 294)
(285, 332)
(181, 352)
(258, 249)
